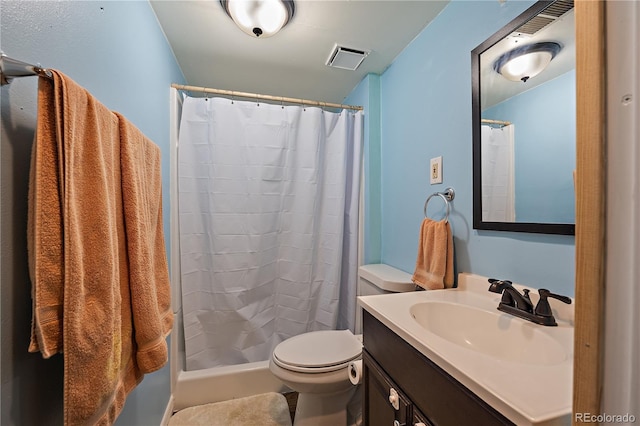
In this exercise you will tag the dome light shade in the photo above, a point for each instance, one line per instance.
(524, 62)
(259, 18)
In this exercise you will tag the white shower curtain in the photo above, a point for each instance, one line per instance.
(268, 210)
(498, 175)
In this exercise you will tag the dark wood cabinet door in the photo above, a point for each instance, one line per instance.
(384, 403)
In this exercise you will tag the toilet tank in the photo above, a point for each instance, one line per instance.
(380, 279)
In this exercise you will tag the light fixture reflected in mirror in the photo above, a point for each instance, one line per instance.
(259, 18)
(524, 62)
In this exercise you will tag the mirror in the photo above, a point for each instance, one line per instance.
(524, 122)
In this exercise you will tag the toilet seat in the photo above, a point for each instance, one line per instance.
(318, 351)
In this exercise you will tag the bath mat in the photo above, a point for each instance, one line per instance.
(268, 409)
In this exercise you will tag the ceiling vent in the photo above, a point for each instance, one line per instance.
(346, 58)
(546, 17)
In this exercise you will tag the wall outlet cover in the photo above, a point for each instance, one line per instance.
(435, 171)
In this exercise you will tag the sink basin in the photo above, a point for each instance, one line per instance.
(492, 333)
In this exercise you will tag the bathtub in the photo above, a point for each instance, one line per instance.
(190, 388)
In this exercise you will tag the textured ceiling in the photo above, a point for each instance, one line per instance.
(213, 52)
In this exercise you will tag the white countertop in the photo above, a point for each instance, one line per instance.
(525, 393)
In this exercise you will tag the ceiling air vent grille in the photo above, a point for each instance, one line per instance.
(547, 16)
(559, 8)
(346, 58)
(535, 25)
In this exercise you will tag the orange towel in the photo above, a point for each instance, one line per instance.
(434, 266)
(44, 229)
(148, 269)
(79, 258)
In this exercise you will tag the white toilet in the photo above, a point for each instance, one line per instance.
(315, 364)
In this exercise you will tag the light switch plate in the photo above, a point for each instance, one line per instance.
(435, 170)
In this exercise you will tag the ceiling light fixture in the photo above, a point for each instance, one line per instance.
(522, 63)
(259, 18)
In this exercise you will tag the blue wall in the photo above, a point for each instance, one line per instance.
(425, 112)
(117, 51)
(545, 149)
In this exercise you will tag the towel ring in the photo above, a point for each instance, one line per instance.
(448, 195)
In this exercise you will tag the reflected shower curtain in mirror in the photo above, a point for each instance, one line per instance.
(268, 211)
(498, 175)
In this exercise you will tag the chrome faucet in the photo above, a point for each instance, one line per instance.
(519, 305)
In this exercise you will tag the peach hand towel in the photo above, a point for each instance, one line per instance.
(434, 265)
(146, 250)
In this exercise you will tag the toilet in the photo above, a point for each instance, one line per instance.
(315, 364)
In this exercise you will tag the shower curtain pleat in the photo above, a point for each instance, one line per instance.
(268, 210)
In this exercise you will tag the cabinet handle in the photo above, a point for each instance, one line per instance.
(396, 423)
(394, 399)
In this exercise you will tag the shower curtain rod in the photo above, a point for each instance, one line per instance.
(498, 122)
(10, 68)
(264, 97)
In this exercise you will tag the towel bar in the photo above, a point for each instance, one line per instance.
(448, 195)
(11, 68)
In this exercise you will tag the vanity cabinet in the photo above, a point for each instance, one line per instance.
(425, 393)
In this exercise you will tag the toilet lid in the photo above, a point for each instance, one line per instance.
(318, 350)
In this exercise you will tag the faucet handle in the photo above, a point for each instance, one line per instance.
(543, 308)
(498, 285)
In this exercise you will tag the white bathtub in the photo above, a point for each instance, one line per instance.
(190, 388)
(223, 383)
